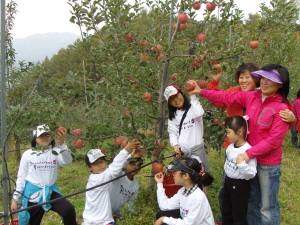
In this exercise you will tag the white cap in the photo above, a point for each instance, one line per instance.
(170, 91)
(94, 154)
(41, 129)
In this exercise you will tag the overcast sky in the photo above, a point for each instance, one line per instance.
(43, 16)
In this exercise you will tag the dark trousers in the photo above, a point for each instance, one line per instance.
(294, 137)
(235, 201)
(63, 207)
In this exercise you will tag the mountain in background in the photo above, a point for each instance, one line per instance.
(37, 46)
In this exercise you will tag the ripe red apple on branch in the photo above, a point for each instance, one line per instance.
(265, 39)
(128, 38)
(143, 43)
(78, 144)
(183, 18)
(210, 6)
(124, 143)
(189, 86)
(201, 37)
(157, 48)
(174, 76)
(254, 44)
(103, 150)
(202, 83)
(182, 26)
(157, 167)
(77, 132)
(125, 114)
(196, 5)
(147, 97)
(118, 141)
(60, 130)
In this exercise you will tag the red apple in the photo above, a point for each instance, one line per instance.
(157, 167)
(173, 77)
(123, 21)
(183, 18)
(143, 43)
(136, 85)
(77, 132)
(60, 130)
(215, 121)
(128, 38)
(161, 144)
(161, 55)
(175, 26)
(157, 49)
(150, 133)
(144, 56)
(118, 141)
(196, 5)
(253, 44)
(202, 83)
(78, 144)
(103, 150)
(147, 97)
(183, 26)
(201, 37)
(124, 143)
(189, 86)
(210, 6)
(265, 39)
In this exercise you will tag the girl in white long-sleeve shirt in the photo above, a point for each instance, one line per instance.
(37, 176)
(238, 172)
(190, 200)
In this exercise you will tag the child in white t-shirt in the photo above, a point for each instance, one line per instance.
(97, 210)
(238, 172)
(125, 189)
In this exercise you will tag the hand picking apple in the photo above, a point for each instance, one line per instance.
(196, 90)
(159, 178)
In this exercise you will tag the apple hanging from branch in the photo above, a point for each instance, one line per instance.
(183, 18)
(196, 5)
(189, 86)
(157, 167)
(147, 97)
(77, 132)
(210, 6)
(78, 144)
(254, 44)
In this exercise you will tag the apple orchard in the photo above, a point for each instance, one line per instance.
(110, 84)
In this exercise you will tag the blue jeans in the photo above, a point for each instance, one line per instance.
(294, 138)
(263, 206)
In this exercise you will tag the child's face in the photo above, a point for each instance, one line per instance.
(233, 137)
(176, 101)
(97, 167)
(178, 178)
(44, 139)
(133, 166)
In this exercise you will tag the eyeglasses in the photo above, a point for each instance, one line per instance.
(45, 135)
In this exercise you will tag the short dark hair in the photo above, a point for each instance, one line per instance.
(172, 109)
(87, 161)
(235, 123)
(33, 142)
(285, 76)
(244, 67)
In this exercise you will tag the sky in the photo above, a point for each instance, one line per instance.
(44, 16)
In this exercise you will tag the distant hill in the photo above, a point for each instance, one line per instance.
(37, 46)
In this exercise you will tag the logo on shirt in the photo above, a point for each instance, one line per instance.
(184, 213)
(54, 161)
(193, 120)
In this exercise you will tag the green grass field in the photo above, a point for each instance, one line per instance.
(73, 178)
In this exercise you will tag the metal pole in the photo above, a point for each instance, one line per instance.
(3, 112)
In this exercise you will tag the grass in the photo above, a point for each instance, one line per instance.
(73, 178)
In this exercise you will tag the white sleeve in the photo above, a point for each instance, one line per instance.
(164, 202)
(115, 168)
(21, 177)
(196, 108)
(173, 132)
(248, 169)
(195, 216)
(64, 156)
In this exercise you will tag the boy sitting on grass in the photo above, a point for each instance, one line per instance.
(97, 208)
(126, 188)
